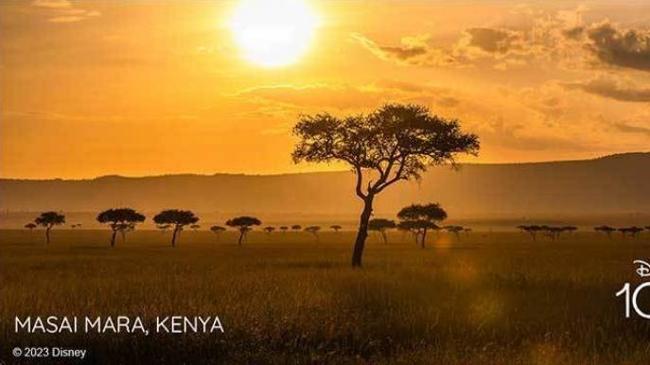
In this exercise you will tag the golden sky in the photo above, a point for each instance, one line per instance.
(153, 87)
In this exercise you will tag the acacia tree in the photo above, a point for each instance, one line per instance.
(244, 225)
(177, 219)
(120, 220)
(532, 230)
(49, 220)
(455, 230)
(296, 227)
(313, 230)
(422, 218)
(30, 226)
(336, 227)
(605, 229)
(195, 227)
(269, 229)
(217, 230)
(284, 229)
(163, 227)
(632, 231)
(381, 225)
(394, 143)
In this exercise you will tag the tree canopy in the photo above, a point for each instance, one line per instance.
(177, 218)
(419, 218)
(49, 220)
(120, 220)
(381, 225)
(395, 142)
(243, 224)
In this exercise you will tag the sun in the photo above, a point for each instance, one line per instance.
(273, 33)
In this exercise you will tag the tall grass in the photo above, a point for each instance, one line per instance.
(486, 299)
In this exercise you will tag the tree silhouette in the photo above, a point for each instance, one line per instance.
(532, 230)
(381, 225)
(177, 219)
(244, 225)
(284, 228)
(455, 230)
(336, 227)
(313, 230)
(49, 220)
(163, 227)
(632, 231)
(269, 229)
(422, 218)
(605, 229)
(217, 230)
(296, 227)
(195, 227)
(30, 226)
(120, 220)
(396, 142)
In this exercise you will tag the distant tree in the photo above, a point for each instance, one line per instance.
(313, 230)
(120, 220)
(422, 218)
(569, 229)
(415, 227)
(269, 229)
(455, 230)
(195, 227)
(48, 220)
(30, 226)
(632, 231)
(296, 227)
(381, 225)
(177, 219)
(467, 230)
(244, 225)
(336, 227)
(532, 230)
(284, 228)
(217, 230)
(606, 230)
(163, 227)
(394, 143)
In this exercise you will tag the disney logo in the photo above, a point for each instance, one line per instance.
(644, 268)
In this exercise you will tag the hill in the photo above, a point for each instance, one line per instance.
(610, 185)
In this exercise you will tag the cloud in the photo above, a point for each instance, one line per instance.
(558, 39)
(414, 50)
(628, 128)
(624, 48)
(613, 89)
(492, 40)
(52, 4)
(63, 11)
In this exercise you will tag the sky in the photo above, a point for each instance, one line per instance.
(157, 87)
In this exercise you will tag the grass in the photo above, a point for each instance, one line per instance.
(495, 298)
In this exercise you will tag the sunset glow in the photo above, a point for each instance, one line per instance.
(273, 33)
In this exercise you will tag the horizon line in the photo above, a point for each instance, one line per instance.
(117, 175)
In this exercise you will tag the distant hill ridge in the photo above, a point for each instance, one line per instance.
(608, 185)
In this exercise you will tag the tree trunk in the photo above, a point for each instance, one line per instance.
(47, 235)
(113, 238)
(424, 238)
(174, 236)
(383, 235)
(241, 237)
(362, 234)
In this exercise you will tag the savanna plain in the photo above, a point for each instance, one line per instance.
(483, 298)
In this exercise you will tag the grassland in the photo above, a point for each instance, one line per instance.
(495, 298)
